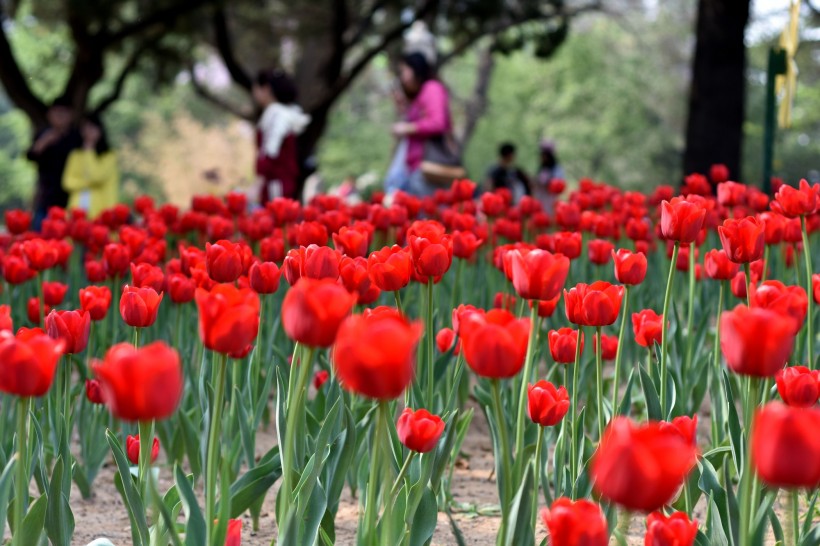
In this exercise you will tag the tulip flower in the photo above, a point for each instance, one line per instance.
(798, 386)
(95, 300)
(610, 346)
(567, 243)
(16, 270)
(562, 344)
(684, 425)
(29, 362)
(648, 327)
(718, 266)
(40, 254)
(72, 327)
(313, 310)
(264, 277)
(140, 384)
(234, 535)
(419, 430)
(786, 447)
(181, 289)
(675, 529)
(390, 268)
(681, 220)
(54, 293)
(600, 251)
(228, 318)
(93, 391)
(223, 261)
(139, 306)
(496, 345)
(546, 404)
(320, 378)
(445, 338)
(352, 242)
(465, 244)
(538, 274)
(787, 300)
(595, 304)
(756, 341)
(430, 248)
(656, 457)
(116, 259)
(630, 267)
(793, 202)
(6, 324)
(18, 221)
(575, 523)
(33, 311)
(355, 278)
(132, 449)
(731, 194)
(742, 240)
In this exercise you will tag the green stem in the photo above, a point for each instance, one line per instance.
(457, 283)
(506, 463)
(765, 263)
(793, 507)
(397, 295)
(717, 415)
(619, 353)
(400, 478)
(21, 483)
(690, 317)
(521, 419)
(429, 341)
(146, 431)
(747, 478)
(41, 299)
(136, 337)
(212, 462)
(371, 508)
(747, 272)
(599, 385)
(665, 318)
(538, 447)
(809, 318)
(574, 412)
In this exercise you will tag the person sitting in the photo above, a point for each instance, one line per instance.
(505, 174)
(91, 176)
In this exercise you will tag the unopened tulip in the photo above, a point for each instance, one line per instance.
(419, 430)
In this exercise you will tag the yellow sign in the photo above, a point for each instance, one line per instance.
(786, 83)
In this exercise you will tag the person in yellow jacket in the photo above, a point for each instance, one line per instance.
(91, 176)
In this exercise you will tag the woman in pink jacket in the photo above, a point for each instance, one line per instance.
(426, 116)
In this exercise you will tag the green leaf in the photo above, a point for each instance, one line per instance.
(192, 440)
(710, 485)
(59, 518)
(255, 483)
(650, 394)
(717, 533)
(626, 401)
(32, 527)
(130, 495)
(425, 519)
(313, 514)
(519, 527)
(5, 487)
(735, 434)
(164, 505)
(195, 530)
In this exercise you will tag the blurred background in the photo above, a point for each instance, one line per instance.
(616, 84)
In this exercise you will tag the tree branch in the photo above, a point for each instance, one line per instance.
(14, 82)
(220, 102)
(128, 67)
(162, 16)
(365, 23)
(224, 45)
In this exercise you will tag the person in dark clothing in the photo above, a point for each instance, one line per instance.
(50, 150)
(506, 174)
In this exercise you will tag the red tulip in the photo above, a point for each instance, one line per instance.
(495, 343)
(6, 323)
(356, 279)
(390, 268)
(787, 300)
(320, 378)
(798, 386)
(147, 275)
(132, 449)
(575, 523)
(630, 267)
(681, 220)
(54, 293)
(743, 240)
(538, 274)
(419, 430)
(492, 204)
(430, 248)
(718, 265)
(181, 289)
(546, 308)
(264, 277)
(596, 304)
(684, 425)
(465, 244)
(93, 392)
(223, 261)
(40, 254)
(600, 251)
(138, 306)
(731, 194)
(546, 405)
(16, 270)
(756, 341)
(234, 536)
(793, 202)
(786, 446)
(94, 271)
(815, 284)
(313, 310)
(562, 344)
(610, 345)
(140, 384)
(352, 242)
(648, 327)
(383, 366)
(445, 339)
(72, 327)
(95, 300)
(228, 318)
(18, 221)
(116, 259)
(657, 457)
(29, 362)
(33, 311)
(568, 243)
(673, 530)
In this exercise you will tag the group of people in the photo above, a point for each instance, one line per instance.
(76, 166)
(507, 174)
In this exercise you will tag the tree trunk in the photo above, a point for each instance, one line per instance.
(478, 102)
(714, 132)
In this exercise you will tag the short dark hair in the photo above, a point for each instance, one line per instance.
(418, 63)
(506, 149)
(280, 84)
(63, 101)
(102, 143)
